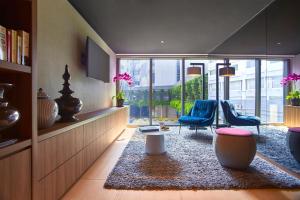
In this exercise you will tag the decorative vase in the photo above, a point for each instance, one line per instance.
(47, 110)
(68, 106)
(8, 114)
(295, 102)
(120, 102)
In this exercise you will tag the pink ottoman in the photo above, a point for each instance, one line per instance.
(234, 148)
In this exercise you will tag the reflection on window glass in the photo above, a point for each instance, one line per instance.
(166, 94)
(272, 95)
(250, 84)
(137, 96)
(242, 86)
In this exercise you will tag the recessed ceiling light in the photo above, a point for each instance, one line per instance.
(278, 43)
(162, 42)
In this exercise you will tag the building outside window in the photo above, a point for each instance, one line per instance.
(166, 84)
(272, 91)
(250, 84)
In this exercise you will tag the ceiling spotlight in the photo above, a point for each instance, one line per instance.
(162, 42)
(278, 43)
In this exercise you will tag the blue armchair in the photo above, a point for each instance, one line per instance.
(234, 118)
(202, 114)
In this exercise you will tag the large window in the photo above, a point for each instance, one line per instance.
(272, 91)
(242, 86)
(166, 93)
(212, 83)
(194, 84)
(137, 96)
(167, 79)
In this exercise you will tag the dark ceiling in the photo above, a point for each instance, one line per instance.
(275, 31)
(185, 26)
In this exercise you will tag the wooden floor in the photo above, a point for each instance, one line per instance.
(90, 186)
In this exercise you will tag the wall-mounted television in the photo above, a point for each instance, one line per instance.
(97, 61)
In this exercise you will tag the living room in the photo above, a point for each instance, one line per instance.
(150, 99)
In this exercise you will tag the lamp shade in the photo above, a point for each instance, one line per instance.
(194, 71)
(227, 71)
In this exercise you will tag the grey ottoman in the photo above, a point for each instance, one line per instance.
(234, 148)
(293, 140)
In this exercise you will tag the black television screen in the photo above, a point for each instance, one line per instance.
(97, 61)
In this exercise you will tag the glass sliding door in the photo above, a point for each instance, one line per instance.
(166, 91)
(212, 83)
(137, 95)
(193, 84)
(272, 72)
(242, 86)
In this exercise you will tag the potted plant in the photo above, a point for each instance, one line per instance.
(294, 97)
(120, 96)
(294, 94)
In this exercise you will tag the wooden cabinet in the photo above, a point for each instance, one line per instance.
(15, 173)
(71, 149)
(292, 116)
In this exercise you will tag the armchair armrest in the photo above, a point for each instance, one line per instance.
(190, 112)
(239, 114)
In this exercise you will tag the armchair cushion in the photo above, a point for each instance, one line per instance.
(202, 109)
(202, 113)
(250, 118)
(237, 119)
(191, 120)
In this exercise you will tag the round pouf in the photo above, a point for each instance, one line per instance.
(155, 144)
(293, 140)
(234, 148)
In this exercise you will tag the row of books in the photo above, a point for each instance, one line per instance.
(14, 46)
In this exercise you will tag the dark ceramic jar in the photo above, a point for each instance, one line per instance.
(8, 114)
(68, 107)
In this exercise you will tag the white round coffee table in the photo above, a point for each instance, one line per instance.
(155, 142)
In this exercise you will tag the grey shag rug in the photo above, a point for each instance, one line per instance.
(272, 144)
(190, 163)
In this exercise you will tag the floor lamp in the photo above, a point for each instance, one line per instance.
(225, 71)
(195, 70)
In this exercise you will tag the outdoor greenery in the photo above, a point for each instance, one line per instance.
(171, 97)
(193, 91)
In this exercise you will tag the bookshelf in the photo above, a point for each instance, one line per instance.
(19, 156)
(12, 67)
(18, 15)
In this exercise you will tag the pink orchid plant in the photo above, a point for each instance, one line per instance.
(294, 95)
(291, 78)
(125, 77)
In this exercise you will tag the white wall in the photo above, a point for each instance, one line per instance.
(61, 40)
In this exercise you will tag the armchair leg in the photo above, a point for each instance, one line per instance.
(211, 129)
(258, 130)
(196, 130)
(179, 127)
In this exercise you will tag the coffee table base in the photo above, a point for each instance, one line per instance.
(155, 144)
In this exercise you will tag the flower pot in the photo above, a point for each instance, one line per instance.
(120, 102)
(295, 102)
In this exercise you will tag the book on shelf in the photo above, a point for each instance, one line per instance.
(3, 46)
(8, 45)
(24, 47)
(14, 46)
(19, 49)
